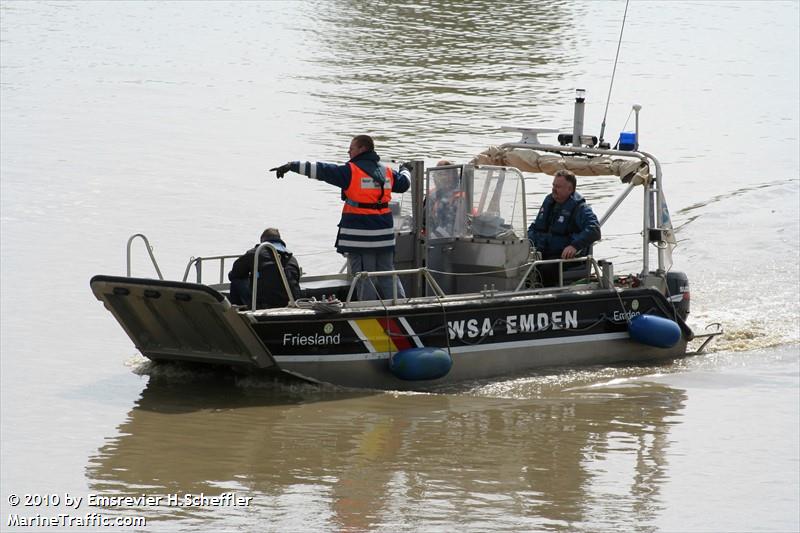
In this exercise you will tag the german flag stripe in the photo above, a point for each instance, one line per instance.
(398, 335)
(385, 334)
(375, 336)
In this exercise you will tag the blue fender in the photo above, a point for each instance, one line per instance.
(415, 364)
(654, 331)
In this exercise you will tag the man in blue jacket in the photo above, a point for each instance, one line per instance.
(366, 229)
(565, 227)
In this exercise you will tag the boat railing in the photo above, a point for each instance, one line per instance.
(197, 262)
(149, 249)
(604, 274)
(656, 220)
(424, 272)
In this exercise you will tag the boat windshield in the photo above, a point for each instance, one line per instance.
(465, 201)
(446, 203)
(402, 212)
(497, 209)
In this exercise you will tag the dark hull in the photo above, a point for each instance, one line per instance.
(487, 336)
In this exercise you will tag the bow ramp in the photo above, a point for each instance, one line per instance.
(176, 320)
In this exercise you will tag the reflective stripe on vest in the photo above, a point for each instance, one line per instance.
(361, 238)
(363, 196)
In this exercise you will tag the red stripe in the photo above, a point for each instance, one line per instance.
(395, 331)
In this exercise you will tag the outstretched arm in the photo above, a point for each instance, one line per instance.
(402, 180)
(338, 175)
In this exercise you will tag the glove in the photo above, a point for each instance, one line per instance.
(281, 170)
(407, 166)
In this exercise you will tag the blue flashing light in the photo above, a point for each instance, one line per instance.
(627, 141)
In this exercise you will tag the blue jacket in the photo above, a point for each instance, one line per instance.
(558, 226)
(358, 232)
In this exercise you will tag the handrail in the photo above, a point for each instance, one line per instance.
(197, 262)
(657, 218)
(149, 251)
(279, 265)
(423, 271)
(646, 158)
(642, 156)
(588, 259)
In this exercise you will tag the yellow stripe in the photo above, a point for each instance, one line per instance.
(376, 335)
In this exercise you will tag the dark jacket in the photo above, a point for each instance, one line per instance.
(358, 232)
(271, 292)
(558, 226)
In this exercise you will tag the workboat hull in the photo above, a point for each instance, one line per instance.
(486, 334)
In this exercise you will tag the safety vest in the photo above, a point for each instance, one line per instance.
(554, 231)
(561, 222)
(367, 195)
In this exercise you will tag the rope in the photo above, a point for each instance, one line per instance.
(502, 270)
(444, 322)
(613, 72)
(616, 145)
(332, 305)
(321, 252)
(622, 307)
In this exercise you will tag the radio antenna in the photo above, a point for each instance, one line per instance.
(613, 72)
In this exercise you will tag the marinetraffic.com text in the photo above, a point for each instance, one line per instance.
(48, 510)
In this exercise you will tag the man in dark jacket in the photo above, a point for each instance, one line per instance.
(366, 229)
(270, 290)
(565, 226)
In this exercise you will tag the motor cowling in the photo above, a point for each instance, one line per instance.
(678, 292)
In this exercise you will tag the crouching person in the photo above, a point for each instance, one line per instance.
(270, 291)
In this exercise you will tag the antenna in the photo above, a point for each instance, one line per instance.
(613, 72)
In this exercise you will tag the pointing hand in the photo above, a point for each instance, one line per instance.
(281, 170)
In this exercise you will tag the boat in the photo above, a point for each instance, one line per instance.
(474, 307)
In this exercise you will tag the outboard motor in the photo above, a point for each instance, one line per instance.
(678, 288)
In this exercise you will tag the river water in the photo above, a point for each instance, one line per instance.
(161, 118)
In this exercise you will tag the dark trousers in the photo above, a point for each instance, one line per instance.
(548, 274)
(241, 292)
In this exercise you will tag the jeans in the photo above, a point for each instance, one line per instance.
(374, 261)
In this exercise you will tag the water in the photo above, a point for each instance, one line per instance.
(161, 118)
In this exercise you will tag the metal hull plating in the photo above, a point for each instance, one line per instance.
(486, 336)
(492, 360)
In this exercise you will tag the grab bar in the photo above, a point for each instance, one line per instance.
(198, 263)
(278, 263)
(588, 259)
(149, 251)
(423, 271)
